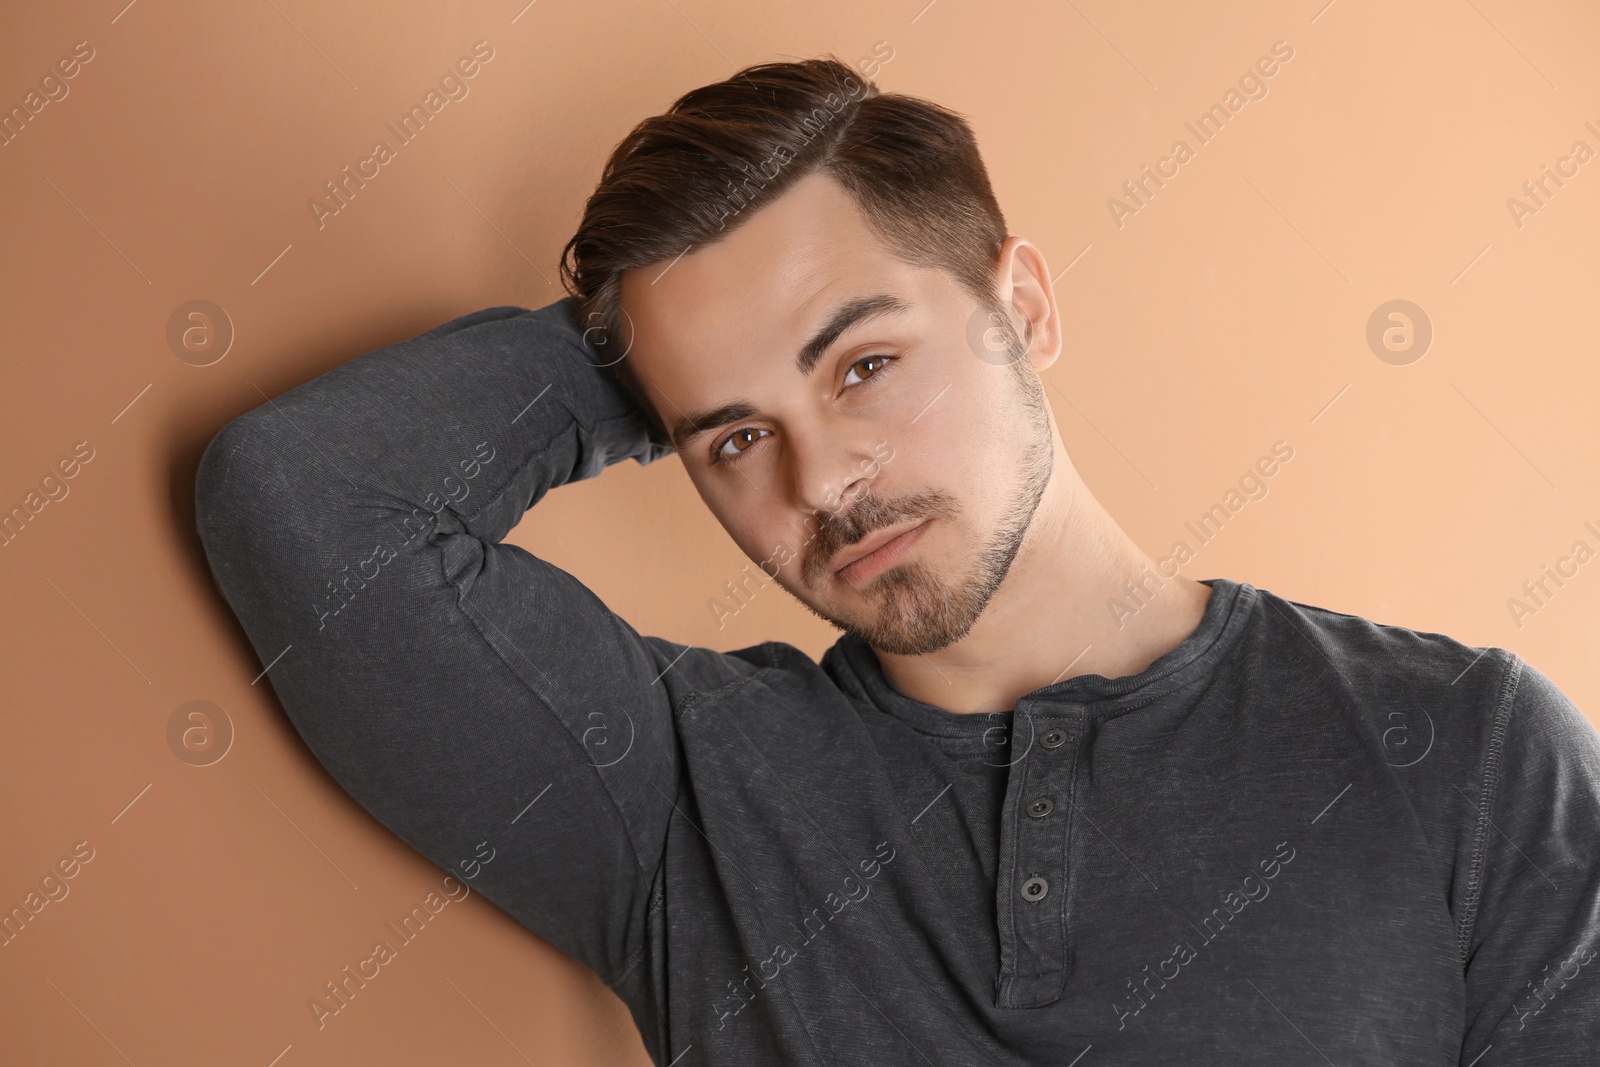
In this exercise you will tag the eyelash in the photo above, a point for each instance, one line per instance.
(717, 456)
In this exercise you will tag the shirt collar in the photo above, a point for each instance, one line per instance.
(854, 666)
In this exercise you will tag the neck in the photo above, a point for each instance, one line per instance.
(1053, 617)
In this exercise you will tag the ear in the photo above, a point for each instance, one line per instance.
(1023, 287)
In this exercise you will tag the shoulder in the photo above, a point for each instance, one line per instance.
(1426, 709)
(1543, 720)
(1374, 658)
(1483, 753)
(1535, 818)
(1541, 764)
(693, 673)
(1485, 692)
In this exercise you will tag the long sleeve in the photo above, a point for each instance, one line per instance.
(479, 702)
(1533, 951)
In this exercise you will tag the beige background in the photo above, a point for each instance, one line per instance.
(1229, 312)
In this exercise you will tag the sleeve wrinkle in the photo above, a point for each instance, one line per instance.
(658, 897)
(622, 818)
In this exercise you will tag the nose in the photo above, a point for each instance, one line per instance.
(831, 471)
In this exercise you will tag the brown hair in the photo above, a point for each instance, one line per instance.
(687, 178)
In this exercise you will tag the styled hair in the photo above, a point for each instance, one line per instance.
(687, 178)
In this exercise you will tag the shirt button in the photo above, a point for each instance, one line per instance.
(1035, 888)
(1041, 807)
(1053, 738)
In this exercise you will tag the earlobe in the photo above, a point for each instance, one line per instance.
(1048, 349)
(1040, 346)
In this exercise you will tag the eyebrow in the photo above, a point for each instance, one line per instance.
(846, 316)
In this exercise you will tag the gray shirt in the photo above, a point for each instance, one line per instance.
(1297, 837)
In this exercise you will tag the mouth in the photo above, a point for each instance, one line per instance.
(882, 551)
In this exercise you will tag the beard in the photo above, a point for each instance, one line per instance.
(917, 609)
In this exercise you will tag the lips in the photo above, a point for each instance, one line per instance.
(848, 564)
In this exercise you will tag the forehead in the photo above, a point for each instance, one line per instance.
(750, 299)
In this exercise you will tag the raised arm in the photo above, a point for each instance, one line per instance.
(1533, 949)
(479, 702)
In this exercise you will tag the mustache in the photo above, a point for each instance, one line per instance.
(867, 514)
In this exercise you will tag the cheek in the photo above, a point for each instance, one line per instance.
(778, 550)
(755, 524)
(972, 449)
(951, 447)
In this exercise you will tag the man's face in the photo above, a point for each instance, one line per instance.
(893, 422)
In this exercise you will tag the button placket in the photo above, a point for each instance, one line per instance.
(1033, 878)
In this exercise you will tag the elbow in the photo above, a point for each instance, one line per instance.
(234, 487)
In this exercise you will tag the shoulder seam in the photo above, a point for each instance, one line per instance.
(1486, 795)
(676, 711)
(658, 895)
(658, 898)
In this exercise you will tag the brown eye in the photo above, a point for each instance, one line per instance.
(736, 444)
(879, 359)
(748, 434)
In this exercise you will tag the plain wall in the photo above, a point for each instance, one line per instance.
(1228, 312)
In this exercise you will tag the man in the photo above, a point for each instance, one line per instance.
(1044, 802)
